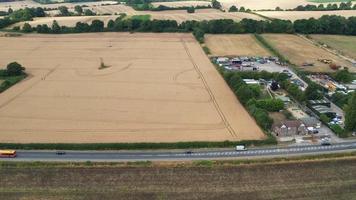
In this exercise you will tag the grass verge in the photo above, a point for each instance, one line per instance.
(135, 146)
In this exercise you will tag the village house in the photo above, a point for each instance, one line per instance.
(289, 128)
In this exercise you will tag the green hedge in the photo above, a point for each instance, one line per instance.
(135, 146)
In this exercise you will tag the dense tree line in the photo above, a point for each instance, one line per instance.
(343, 76)
(324, 25)
(162, 8)
(26, 14)
(321, 7)
(350, 114)
(251, 96)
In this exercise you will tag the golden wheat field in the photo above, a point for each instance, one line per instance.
(232, 45)
(153, 88)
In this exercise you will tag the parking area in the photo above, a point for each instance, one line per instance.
(270, 64)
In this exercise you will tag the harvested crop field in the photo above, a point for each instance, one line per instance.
(15, 5)
(295, 15)
(343, 44)
(65, 21)
(177, 15)
(230, 45)
(176, 4)
(265, 4)
(299, 50)
(155, 88)
(201, 14)
(308, 180)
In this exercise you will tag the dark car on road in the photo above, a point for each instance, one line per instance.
(60, 152)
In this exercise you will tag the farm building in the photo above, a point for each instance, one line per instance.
(322, 102)
(222, 60)
(289, 128)
(310, 122)
(319, 109)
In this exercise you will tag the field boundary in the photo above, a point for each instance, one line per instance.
(135, 146)
(216, 105)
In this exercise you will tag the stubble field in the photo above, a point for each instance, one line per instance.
(295, 15)
(299, 50)
(15, 5)
(307, 180)
(232, 45)
(157, 88)
(175, 4)
(177, 15)
(266, 4)
(344, 44)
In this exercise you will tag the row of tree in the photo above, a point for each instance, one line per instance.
(26, 14)
(324, 25)
(251, 96)
(321, 7)
(235, 9)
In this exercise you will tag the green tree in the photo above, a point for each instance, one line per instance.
(78, 9)
(343, 76)
(39, 12)
(88, 12)
(14, 69)
(27, 28)
(111, 25)
(63, 10)
(271, 105)
(199, 34)
(312, 92)
(190, 9)
(242, 9)
(233, 9)
(216, 4)
(10, 10)
(97, 26)
(350, 114)
(321, 7)
(55, 27)
(324, 118)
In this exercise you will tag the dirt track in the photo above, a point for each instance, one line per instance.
(158, 88)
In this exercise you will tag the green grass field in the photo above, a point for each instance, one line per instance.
(344, 44)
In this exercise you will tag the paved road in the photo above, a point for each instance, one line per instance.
(24, 155)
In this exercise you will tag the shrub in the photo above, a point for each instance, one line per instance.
(271, 105)
(233, 9)
(199, 34)
(27, 28)
(14, 69)
(191, 9)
